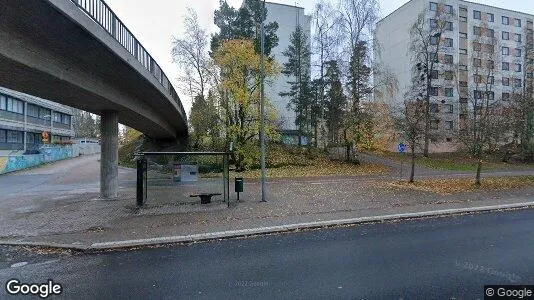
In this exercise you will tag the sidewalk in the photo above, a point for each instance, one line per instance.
(84, 221)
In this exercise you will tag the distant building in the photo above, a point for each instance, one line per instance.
(25, 119)
(476, 32)
(287, 17)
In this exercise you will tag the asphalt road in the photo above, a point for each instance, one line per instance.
(442, 258)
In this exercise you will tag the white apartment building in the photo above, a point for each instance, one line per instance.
(287, 17)
(474, 27)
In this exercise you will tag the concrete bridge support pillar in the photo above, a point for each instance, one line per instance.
(109, 157)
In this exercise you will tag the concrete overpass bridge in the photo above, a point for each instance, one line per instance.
(78, 53)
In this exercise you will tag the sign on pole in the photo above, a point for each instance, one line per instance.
(401, 148)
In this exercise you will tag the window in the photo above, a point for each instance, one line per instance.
(448, 26)
(56, 117)
(433, 91)
(434, 40)
(477, 62)
(2, 136)
(448, 125)
(449, 59)
(505, 96)
(449, 92)
(463, 19)
(433, 6)
(477, 94)
(463, 51)
(433, 23)
(434, 74)
(489, 48)
(478, 78)
(505, 66)
(449, 108)
(517, 37)
(517, 82)
(491, 17)
(14, 137)
(490, 64)
(517, 52)
(505, 81)
(517, 67)
(505, 20)
(463, 100)
(448, 42)
(462, 67)
(463, 83)
(530, 75)
(3, 102)
(476, 14)
(490, 33)
(491, 79)
(434, 57)
(491, 95)
(14, 105)
(447, 9)
(433, 108)
(505, 51)
(463, 35)
(434, 124)
(463, 8)
(33, 111)
(505, 35)
(517, 22)
(477, 46)
(477, 30)
(65, 119)
(44, 113)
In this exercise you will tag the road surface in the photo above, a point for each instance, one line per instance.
(441, 258)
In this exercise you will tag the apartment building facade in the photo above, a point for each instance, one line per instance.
(479, 45)
(287, 17)
(25, 119)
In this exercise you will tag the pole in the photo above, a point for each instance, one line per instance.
(262, 107)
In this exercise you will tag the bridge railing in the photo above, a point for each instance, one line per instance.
(102, 14)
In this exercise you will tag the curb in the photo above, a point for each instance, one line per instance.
(201, 237)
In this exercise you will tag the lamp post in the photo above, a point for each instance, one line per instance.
(262, 107)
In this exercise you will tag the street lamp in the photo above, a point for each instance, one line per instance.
(262, 107)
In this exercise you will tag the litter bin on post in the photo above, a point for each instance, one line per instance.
(238, 186)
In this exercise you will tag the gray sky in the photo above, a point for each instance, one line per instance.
(155, 22)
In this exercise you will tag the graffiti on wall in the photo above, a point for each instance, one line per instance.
(48, 154)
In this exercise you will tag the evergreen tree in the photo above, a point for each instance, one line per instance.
(297, 68)
(336, 101)
(243, 23)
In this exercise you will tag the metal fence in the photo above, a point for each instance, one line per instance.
(100, 12)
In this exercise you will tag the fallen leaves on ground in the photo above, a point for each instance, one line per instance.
(460, 185)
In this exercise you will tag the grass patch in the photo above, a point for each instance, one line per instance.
(448, 161)
(461, 185)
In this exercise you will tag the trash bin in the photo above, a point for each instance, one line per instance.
(238, 185)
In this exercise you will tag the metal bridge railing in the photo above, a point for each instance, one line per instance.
(100, 12)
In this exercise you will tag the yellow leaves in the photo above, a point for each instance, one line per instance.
(461, 185)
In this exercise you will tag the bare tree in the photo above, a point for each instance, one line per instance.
(191, 54)
(428, 39)
(484, 123)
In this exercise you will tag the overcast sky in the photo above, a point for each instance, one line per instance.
(155, 22)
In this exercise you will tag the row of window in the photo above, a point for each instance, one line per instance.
(506, 51)
(17, 137)
(448, 125)
(517, 82)
(17, 106)
(446, 8)
(434, 91)
(448, 75)
(477, 15)
(487, 95)
(448, 108)
(447, 42)
(11, 136)
(12, 105)
(446, 25)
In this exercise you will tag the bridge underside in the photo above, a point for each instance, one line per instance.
(53, 50)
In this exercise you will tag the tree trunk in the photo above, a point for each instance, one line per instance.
(412, 169)
(479, 169)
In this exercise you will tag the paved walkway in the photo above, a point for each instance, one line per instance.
(59, 204)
